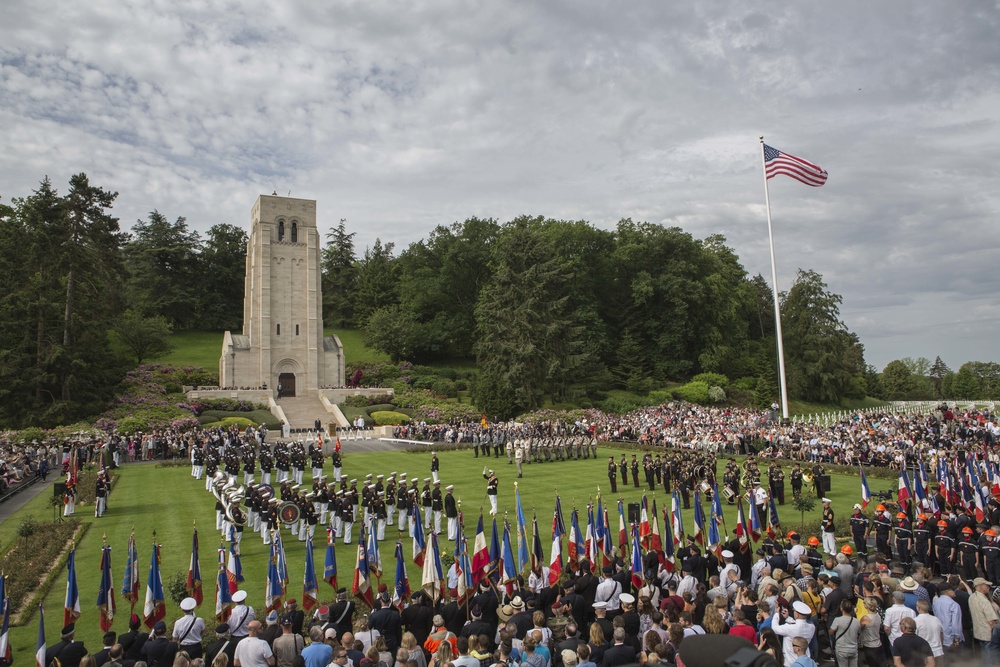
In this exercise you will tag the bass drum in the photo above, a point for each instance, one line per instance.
(288, 512)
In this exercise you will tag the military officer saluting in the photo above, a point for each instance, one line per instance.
(613, 474)
(492, 486)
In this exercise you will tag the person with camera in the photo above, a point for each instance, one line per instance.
(793, 624)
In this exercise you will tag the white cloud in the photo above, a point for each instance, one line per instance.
(400, 117)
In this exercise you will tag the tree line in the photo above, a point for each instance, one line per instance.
(548, 309)
(558, 310)
(921, 379)
(82, 301)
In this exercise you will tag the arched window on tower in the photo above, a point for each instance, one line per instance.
(281, 230)
(295, 232)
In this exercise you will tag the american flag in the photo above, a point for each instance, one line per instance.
(776, 162)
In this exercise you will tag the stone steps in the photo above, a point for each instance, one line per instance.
(302, 411)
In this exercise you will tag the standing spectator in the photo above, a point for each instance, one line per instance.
(844, 633)
(930, 629)
(984, 617)
(909, 649)
(894, 614)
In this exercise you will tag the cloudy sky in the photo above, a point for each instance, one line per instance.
(400, 116)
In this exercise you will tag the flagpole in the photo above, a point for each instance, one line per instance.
(774, 288)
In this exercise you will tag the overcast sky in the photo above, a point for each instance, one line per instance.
(402, 116)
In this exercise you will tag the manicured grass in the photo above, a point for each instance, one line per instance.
(355, 350)
(169, 501)
(195, 348)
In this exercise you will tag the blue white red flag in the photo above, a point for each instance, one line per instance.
(154, 610)
(130, 582)
(310, 587)
(401, 590)
(71, 607)
(106, 592)
(194, 584)
(361, 587)
(330, 568)
(40, 645)
(866, 494)
(223, 598)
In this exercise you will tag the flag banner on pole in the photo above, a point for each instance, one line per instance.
(275, 590)
(223, 598)
(669, 555)
(904, 493)
(636, 558)
(778, 163)
(130, 582)
(466, 587)
(675, 512)
(590, 540)
(154, 609)
(279, 549)
(600, 534)
(373, 553)
(622, 533)
(310, 587)
(401, 591)
(699, 518)
(234, 568)
(5, 650)
(71, 607)
(40, 645)
(106, 593)
(773, 522)
(194, 584)
(608, 551)
(555, 559)
(866, 494)
(431, 576)
(742, 530)
(480, 553)
(645, 530)
(655, 540)
(576, 551)
(330, 570)
(361, 587)
(522, 532)
(419, 543)
(495, 553)
(537, 557)
(756, 526)
(508, 573)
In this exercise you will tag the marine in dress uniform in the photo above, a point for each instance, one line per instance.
(613, 474)
(796, 480)
(435, 467)
(492, 486)
(451, 511)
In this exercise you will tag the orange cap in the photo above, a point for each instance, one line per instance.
(989, 531)
(967, 530)
(900, 515)
(880, 508)
(942, 523)
(846, 549)
(813, 541)
(923, 517)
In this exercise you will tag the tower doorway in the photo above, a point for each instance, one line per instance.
(287, 382)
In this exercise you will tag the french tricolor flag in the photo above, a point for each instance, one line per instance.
(866, 493)
(904, 493)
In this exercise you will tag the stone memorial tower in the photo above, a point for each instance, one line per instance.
(282, 341)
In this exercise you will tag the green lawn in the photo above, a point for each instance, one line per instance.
(169, 501)
(195, 348)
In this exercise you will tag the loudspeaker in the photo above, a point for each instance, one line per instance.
(59, 489)
(634, 513)
(823, 484)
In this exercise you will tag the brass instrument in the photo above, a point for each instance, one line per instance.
(807, 480)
